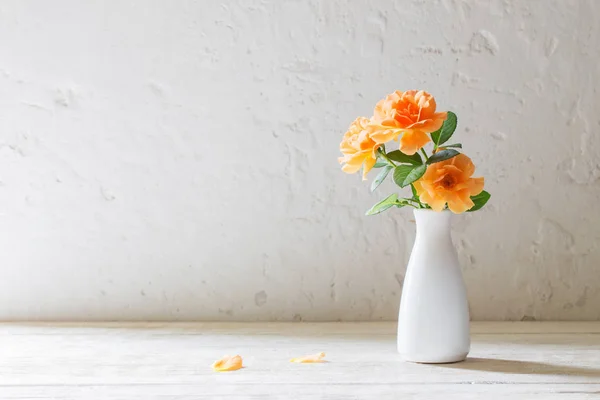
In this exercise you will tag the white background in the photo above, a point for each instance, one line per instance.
(178, 159)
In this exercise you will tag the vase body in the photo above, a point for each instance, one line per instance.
(433, 324)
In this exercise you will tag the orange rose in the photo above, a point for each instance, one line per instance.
(358, 148)
(449, 181)
(411, 113)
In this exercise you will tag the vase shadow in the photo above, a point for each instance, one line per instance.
(522, 367)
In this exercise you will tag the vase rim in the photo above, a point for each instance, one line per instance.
(428, 210)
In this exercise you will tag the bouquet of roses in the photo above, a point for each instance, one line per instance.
(441, 179)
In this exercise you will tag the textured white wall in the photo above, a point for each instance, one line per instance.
(178, 159)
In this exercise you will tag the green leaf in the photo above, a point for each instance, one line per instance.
(381, 177)
(415, 174)
(457, 145)
(442, 155)
(400, 157)
(381, 164)
(383, 205)
(447, 129)
(435, 136)
(401, 172)
(479, 200)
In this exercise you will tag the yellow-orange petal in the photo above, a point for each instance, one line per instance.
(428, 125)
(475, 186)
(314, 358)
(353, 163)
(369, 163)
(465, 197)
(227, 363)
(458, 201)
(418, 187)
(350, 169)
(413, 141)
(460, 204)
(384, 135)
(463, 163)
(436, 203)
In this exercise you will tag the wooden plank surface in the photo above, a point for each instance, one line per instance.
(171, 361)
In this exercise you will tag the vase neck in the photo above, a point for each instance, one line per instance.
(433, 223)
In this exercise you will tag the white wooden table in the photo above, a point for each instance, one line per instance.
(172, 361)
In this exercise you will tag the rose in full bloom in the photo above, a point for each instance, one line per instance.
(449, 182)
(412, 114)
(358, 148)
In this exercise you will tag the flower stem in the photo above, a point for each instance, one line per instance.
(386, 158)
(418, 203)
(425, 154)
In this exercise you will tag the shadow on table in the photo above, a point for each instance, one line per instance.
(521, 367)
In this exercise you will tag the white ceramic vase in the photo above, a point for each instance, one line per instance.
(433, 324)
